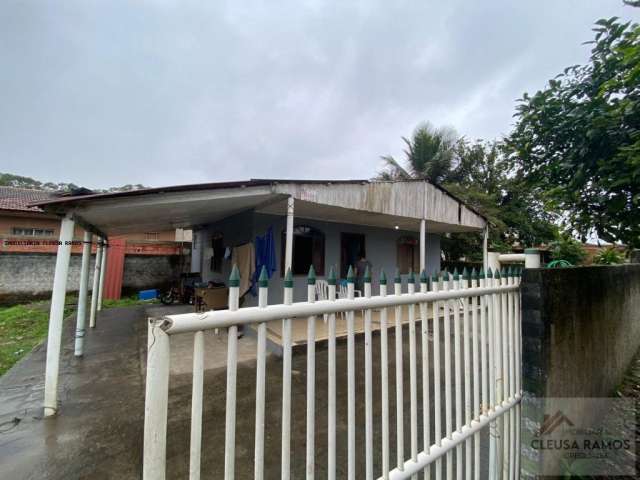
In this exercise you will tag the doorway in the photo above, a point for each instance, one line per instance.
(352, 247)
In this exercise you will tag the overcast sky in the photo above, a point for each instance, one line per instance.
(169, 92)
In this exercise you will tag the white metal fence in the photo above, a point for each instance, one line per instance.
(465, 381)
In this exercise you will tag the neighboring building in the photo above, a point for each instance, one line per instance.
(21, 222)
(29, 242)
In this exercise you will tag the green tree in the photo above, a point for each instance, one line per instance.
(576, 143)
(430, 155)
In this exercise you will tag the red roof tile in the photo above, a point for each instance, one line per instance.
(12, 198)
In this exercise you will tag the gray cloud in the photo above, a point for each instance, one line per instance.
(107, 93)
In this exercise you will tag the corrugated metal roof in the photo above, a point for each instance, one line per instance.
(254, 182)
(23, 199)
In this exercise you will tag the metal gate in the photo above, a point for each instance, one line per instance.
(464, 343)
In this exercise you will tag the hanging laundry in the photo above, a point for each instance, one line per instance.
(265, 255)
(244, 257)
(266, 252)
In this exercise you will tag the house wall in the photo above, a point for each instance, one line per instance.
(380, 244)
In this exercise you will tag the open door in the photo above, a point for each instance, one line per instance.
(352, 248)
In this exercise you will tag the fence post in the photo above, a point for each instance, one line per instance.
(466, 342)
(368, 380)
(384, 374)
(437, 428)
(413, 377)
(351, 383)
(331, 430)
(156, 403)
(286, 380)
(397, 290)
(311, 376)
(426, 425)
(261, 357)
(232, 368)
(476, 373)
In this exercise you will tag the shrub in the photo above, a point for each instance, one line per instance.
(608, 256)
(566, 248)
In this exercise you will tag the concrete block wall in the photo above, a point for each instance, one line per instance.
(581, 330)
(29, 276)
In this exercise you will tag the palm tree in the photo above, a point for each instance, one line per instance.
(430, 155)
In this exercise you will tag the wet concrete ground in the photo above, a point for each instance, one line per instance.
(99, 429)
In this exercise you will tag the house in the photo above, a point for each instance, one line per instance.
(309, 222)
(333, 222)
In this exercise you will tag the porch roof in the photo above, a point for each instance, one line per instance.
(359, 202)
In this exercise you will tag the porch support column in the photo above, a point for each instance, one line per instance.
(96, 284)
(485, 248)
(56, 316)
(81, 318)
(103, 269)
(288, 250)
(423, 245)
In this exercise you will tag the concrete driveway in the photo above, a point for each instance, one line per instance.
(99, 429)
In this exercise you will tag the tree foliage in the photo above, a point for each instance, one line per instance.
(17, 181)
(577, 142)
(430, 155)
(479, 174)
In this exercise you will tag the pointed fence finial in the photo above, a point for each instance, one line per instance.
(263, 280)
(288, 279)
(445, 276)
(397, 278)
(331, 279)
(474, 274)
(411, 277)
(481, 274)
(234, 278)
(465, 274)
(311, 278)
(435, 276)
(510, 271)
(456, 275)
(383, 277)
(423, 276)
(489, 273)
(367, 275)
(350, 276)
(497, 273)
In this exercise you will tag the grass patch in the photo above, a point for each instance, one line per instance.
(22, 327)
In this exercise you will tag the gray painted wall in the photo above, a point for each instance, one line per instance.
(380, 246)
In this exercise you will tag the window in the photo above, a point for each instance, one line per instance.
(408, 255)
(308, 249)
(151, 236)
(33, 232)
